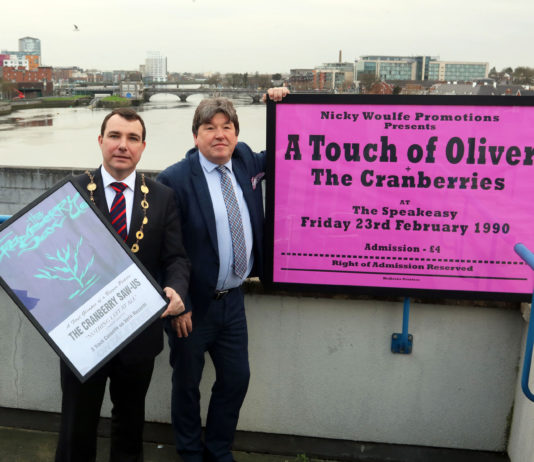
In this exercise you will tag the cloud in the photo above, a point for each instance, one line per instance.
(249, 36)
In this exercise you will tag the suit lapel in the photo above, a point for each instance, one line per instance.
(202, 192)
(255, 211)
(245, 183)
(246, 186)
(100, 195)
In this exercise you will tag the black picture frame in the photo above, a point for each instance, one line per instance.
(115, 297)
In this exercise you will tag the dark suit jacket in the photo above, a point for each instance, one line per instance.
(161, 251)
(197, 217)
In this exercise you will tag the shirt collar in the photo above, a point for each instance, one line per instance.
(209, 166)
(107, 179)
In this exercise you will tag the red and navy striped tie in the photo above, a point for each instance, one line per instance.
(118, 210)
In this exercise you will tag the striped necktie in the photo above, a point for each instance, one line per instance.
(118, 210)
(236, 224)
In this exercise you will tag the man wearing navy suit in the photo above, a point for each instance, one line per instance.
(153, 233)
(215, 320)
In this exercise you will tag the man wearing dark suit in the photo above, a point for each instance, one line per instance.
(154, 235)
(204, 183)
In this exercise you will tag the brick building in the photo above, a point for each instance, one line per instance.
(32, 83)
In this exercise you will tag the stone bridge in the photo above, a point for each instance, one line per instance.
(184, 93)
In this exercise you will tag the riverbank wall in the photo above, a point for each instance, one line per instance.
(5, 108)
(322, 366)
(47, 102)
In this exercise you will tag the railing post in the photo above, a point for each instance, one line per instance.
(402, 343)
(527, 361)
(528, 257)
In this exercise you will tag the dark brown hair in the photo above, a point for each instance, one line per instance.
(125, 113)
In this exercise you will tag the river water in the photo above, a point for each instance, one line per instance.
(67, 137)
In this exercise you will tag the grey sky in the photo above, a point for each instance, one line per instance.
(273, 36)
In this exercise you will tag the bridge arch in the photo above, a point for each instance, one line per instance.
(160, 96)
(184, 93)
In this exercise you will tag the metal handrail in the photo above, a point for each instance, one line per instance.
(528, 257)
(4, 218)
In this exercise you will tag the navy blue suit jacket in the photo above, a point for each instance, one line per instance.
(197, 217)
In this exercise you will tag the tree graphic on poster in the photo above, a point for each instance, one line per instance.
(71, 269)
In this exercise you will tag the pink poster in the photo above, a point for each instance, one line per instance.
(404, 196)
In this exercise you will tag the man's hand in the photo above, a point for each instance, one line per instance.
(183, 325)
(176, 305)
(276, 93)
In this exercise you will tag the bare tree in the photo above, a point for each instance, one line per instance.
(7, 89)
(367, 80)
(523, 75)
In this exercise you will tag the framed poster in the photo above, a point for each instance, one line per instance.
(75, 280)
(401, 195)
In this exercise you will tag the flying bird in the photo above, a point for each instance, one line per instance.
(76, 29)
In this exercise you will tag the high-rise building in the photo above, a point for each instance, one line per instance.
(31, 46)
(419, 68)
(155, 67)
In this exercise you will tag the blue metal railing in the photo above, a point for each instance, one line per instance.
(402, 343)
(4, 218)
(528, 257)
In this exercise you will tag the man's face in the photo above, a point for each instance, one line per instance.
(216, 139)
(121, 146)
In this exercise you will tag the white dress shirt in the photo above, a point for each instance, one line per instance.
(128, 192)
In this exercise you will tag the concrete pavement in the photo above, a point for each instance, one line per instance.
(20, 445)
(31, 436)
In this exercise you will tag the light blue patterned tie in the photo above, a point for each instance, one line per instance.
(236, 224)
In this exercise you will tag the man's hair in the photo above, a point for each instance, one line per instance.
(125, 113)
(207, 109)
